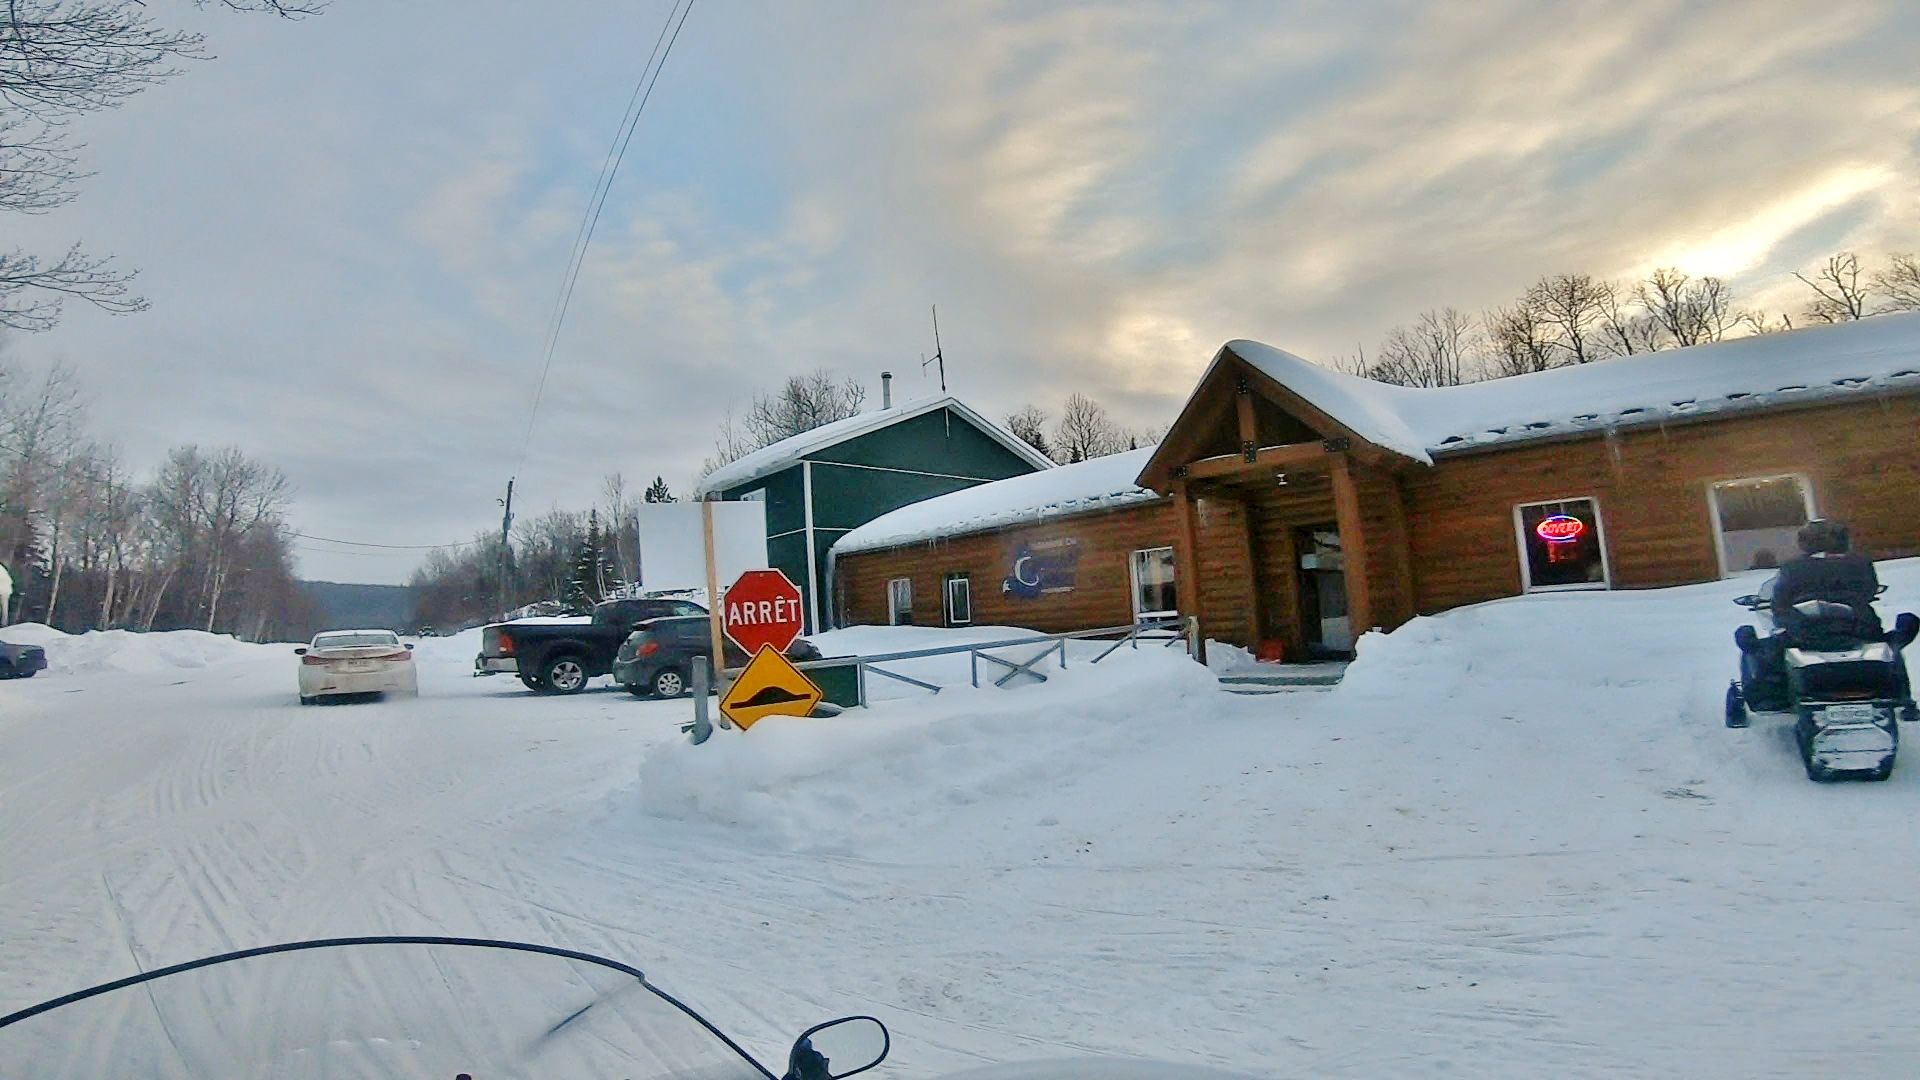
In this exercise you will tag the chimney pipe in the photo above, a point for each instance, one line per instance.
(886, 389)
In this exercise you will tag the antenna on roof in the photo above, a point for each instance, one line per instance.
(937, 355)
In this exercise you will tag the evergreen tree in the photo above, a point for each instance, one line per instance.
(594, 575)
(658, 493)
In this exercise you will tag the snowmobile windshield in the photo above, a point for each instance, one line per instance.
(375, 1009)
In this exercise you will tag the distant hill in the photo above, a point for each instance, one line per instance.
(342, 606)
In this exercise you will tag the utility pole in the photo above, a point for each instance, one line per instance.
(506, 552)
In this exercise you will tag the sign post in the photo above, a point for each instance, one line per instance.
(717, 638)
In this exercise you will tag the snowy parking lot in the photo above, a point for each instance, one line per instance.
(1517, 842)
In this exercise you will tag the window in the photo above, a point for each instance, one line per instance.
(1561, 545)
(1153, 592)
(959, 600)
(900, 602)
(1755, 521)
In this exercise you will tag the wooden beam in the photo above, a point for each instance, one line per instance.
(1249, 430)
(1291, 456)
(1186, 565)
(1400, 554)
(1353, 546)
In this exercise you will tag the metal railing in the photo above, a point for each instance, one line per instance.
(1164, 631)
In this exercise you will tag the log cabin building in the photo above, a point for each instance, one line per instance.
(1291, 507)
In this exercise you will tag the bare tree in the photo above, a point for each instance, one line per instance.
(1624, 328)
(1688, 310)
(1086, 431)
(1519, 341)
(1899, 282)
(1029, 425)
(1839, 295)
(1757, 322)
(1573, 307)
(802, 403)
(61, 59)
(1437, 350)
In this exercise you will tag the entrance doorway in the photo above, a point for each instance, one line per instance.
(1324, 624)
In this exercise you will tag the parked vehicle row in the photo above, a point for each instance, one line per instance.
(563, 654)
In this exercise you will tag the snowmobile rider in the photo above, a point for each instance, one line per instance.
(1827, 569)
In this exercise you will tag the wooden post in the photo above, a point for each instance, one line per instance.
(714, 600)
(1353, 546)
(1186, 563)
(1401, 557)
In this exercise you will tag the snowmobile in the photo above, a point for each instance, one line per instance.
(432, 1008)
(1844, 681)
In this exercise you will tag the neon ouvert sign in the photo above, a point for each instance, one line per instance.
(1560, 529)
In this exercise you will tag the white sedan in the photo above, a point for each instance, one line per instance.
(356, 662)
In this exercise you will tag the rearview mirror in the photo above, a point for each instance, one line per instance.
(300, 652)
(409, 648)
(1751, 600)
(838, 1048)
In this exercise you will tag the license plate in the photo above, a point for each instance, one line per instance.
(1847, 714)
(356, 666)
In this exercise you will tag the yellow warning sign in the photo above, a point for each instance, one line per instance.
(769, 686)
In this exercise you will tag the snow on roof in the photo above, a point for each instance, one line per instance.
(1100, 484)
(771, 459)
(1815, 364)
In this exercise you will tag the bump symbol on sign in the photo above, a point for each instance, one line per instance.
(769, 686)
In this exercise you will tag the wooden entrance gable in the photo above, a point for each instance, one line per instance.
(1245, 438)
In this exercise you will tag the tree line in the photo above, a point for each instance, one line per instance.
(1570, 319)
(560, 561)
(201, 542)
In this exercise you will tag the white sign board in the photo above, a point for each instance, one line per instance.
(673, 548)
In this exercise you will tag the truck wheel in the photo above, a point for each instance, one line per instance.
(533, 683)
(565, 674)
(1736, 707)
(669, 683)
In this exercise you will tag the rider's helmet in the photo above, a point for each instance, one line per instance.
(1824, 536)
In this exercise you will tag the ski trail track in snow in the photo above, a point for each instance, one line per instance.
(1498, 851)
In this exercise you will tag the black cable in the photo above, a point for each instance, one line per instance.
(630, 122)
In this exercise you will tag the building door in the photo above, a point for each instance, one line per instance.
(1323, 590)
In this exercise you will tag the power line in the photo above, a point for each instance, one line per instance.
(384, 547)
(629, 122)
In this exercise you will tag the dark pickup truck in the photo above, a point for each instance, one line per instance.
(562, 655)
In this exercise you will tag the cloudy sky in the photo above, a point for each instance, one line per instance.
(353, 228)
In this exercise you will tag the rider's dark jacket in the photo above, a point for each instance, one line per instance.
(1844, 579)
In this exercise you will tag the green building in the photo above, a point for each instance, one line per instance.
(823, 483)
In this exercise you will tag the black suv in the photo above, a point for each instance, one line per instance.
(657, 658)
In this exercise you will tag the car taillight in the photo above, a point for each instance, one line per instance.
(648, 649)
(311, 660)
(506, 644)
(403, 654)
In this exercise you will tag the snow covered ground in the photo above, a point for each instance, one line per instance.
(1517, 842)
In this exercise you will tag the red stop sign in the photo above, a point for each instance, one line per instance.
(761, 608)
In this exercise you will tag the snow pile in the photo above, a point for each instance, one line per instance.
(832, 784)
(128, 651)
(1815, 364)
(1100, 484)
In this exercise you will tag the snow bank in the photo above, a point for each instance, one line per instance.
(831, 785)
(128, 651)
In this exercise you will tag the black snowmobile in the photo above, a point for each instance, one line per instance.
(1830, 665)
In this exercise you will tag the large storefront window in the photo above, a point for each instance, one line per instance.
(1153, 595)
(1756, 521)
(1561, 545)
